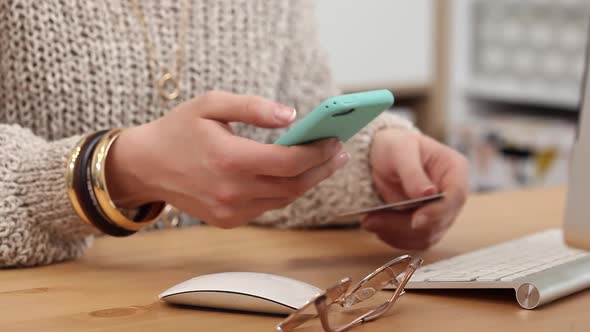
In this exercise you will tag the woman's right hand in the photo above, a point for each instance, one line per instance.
(191, 159)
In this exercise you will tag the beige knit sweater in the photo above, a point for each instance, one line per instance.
(68, 67)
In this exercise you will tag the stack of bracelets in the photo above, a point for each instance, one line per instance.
(88, 193)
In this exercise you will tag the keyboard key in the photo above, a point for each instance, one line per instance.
(486, 278)
(451, 279)
(419, 277)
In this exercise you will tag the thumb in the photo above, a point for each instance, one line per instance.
(414, 179)
(254, 110)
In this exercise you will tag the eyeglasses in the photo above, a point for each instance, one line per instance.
(341, 307)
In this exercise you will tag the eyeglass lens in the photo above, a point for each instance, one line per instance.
(370, 296)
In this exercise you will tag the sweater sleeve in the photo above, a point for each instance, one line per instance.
(37, 223)
(305, 83)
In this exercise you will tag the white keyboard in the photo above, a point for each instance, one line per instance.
(539, 267)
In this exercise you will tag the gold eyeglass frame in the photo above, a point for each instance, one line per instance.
(341, 294)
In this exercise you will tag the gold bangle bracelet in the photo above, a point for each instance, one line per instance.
(70, 166)
(101, 192)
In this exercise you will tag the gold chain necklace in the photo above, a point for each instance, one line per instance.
(168, 81)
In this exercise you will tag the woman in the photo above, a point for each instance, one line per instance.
(70, 68)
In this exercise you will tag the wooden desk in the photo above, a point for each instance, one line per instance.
(114, 287)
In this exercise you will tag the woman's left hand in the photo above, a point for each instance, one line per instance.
(405, 165)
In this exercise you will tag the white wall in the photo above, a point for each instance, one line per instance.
(378, 42)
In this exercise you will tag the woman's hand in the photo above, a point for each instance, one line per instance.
(191, 159)
(407, 165)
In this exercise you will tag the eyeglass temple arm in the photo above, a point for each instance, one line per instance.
(352, 298)
(293, 321)
(299, 317)
(383, 308)
(415, 263)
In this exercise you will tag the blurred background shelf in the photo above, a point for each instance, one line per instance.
(515, 88)
(566, 99)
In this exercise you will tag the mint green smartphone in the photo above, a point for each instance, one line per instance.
(340, 116)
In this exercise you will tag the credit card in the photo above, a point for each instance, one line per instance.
(410, 204)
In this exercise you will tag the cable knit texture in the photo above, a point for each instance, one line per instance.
(68, 67)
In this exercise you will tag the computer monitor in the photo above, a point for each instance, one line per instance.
(577, 214)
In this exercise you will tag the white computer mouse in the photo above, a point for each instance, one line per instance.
(247, 291)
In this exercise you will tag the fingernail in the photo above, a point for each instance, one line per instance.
(419, 221)
(431, 190)
(343, 158)
(285, 114)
